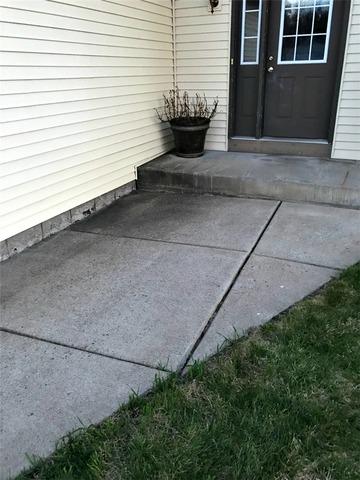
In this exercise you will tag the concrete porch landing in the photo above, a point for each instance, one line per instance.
(147, 286)
(276, 177)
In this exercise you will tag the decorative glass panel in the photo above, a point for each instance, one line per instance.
(291, 3)
(305, 31)
(321, 19)
(250, 50)
(318, 47)
(288, 49)
(251, 24)
(290, 21)
(307, 3)
(303, 48)
(250, 32)
(305, 21)
(252, 5)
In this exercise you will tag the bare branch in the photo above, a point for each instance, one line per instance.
(177, 106)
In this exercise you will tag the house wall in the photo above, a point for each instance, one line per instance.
(346, 142)
(79, 84)
(202, 64)
(203, 57)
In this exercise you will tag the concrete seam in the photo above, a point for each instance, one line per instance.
(298, 261)
(345, 178)
(157, 240)
(150, 188)
(197, 342)
(81, 349)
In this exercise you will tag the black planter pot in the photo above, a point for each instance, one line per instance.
(190, 138)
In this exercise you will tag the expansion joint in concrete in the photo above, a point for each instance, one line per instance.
(228, 290)
(80, 349)
(311, 264)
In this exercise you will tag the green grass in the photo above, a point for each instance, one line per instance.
(282, 403)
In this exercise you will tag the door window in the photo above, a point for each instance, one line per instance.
(304, 31)
(250, 32)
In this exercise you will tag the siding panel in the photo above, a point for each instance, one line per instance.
(202, 59)
(67, 23)
(80, 80)
(346, 142)
(19, 31)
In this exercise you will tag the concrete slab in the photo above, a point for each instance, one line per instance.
(322, 235)
(265, 287)
(301, 170)
(137, 300)
(49, 390)
(353, 177)
(233, 223)
(281, 177)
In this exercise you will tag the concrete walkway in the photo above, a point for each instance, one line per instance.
(152, 283)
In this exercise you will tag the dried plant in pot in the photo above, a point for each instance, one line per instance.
(189, 119)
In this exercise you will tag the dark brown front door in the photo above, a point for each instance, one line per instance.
(289, 94)
(301, 63)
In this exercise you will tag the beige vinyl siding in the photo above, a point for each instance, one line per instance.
(80, 80)
(346, 142)
(202, 58)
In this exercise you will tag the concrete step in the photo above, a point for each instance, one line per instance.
(256, 175)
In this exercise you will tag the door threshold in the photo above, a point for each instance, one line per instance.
(281, 146)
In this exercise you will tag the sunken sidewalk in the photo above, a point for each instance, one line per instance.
(143, 288)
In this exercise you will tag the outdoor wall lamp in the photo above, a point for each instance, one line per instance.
(213, 5)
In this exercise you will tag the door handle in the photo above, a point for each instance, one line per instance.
(270, 69)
